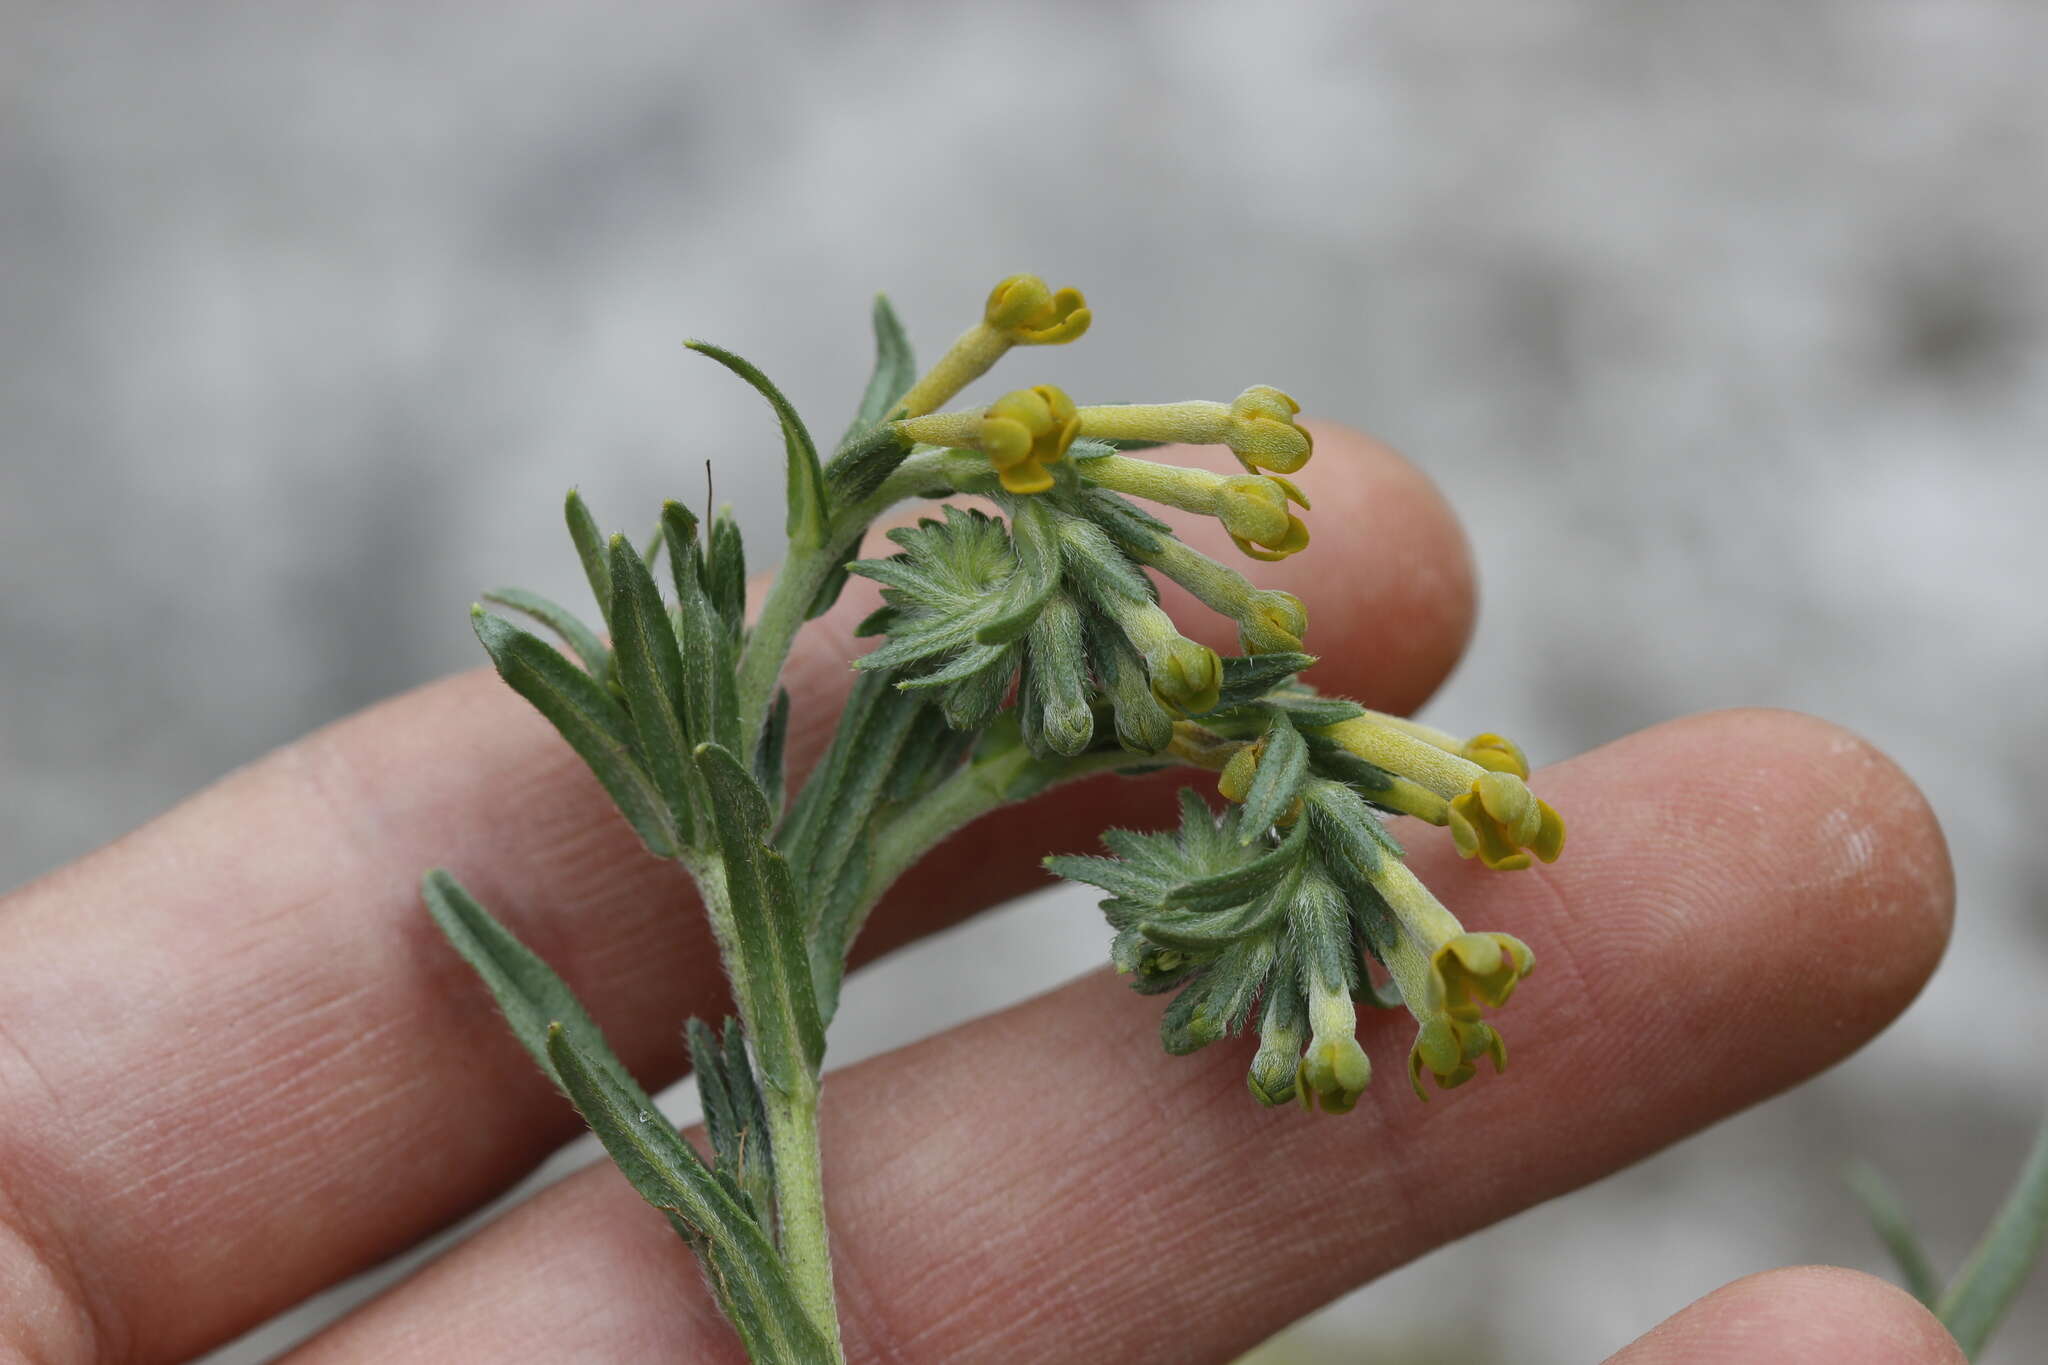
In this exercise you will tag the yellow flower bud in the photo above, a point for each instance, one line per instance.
(1253, 508)
(1029, 313)
(1021, 311)
(1023, 432)
(1446, 975)
(1334, 1071)
(1273, 622)
(1263, 434)
(1234, 783)
(1186, 677)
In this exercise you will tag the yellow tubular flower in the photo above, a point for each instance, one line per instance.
(1186, 678)
(1258, 426)
(1273, 622)
(1252, 507)
(1492, 814)
(1021, 433)
(1335, 1070)
(1021, 311)
(1268, 621)
(1446, 976)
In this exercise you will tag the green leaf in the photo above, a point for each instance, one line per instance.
(768, 759)
(650, 671)
(836, 807)
(807, 509)
(1887, 1213)
(1249, 679)
(829, 589)
(1238, 885)
(590, 549)
(749, 1278)
(725, 577)
(1984, 1289)
(895, 367)
(766, 926)
(1310, 711)
(528, 992)
(734, 1115)
(864, 461)
(1282, 766)
(702, 648)
(585, 714)
(579, 637)
(1038, 561)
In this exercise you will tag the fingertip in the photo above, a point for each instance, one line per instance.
(1798, 1314)
(1852, 834)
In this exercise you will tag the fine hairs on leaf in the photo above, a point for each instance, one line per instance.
(1020, 648)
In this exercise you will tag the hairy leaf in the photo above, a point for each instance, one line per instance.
(807, 511)
(585, 715)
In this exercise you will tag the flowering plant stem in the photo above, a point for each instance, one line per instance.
(1019, 651)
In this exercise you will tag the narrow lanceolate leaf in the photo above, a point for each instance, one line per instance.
(725, 573)
(746, 1273)
(807, 510)
(734, 1115)
(768, 750)
(528, 992)
(706, 673)
(1246, 680)
(650, 671)
(1998, 1268)
(767, 928)
(895, 367)
(1888, 1215)
(590, 549)
(1282, 766)
(863, 462)
(563, 622)
(585, 714)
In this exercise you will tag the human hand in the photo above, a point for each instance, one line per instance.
(239, 1063)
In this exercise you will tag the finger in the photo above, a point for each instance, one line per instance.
(1046, 1176)
(1798, 1315)
(237, 1024)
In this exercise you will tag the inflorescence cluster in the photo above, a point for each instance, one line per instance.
(1278, 909)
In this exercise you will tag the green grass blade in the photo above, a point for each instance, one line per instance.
(1989, 1281)
(1894, 1226)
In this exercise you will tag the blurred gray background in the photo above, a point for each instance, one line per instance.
(1725, 325)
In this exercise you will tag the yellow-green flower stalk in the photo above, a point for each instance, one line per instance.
(1258, 426)
(1252, 507)
(1268, 621)
(1489, 750)
(1446, 976)
(1021, 433)
(1021, 311)
(1492, 814)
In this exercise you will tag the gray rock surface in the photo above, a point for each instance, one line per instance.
(1725, 326)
